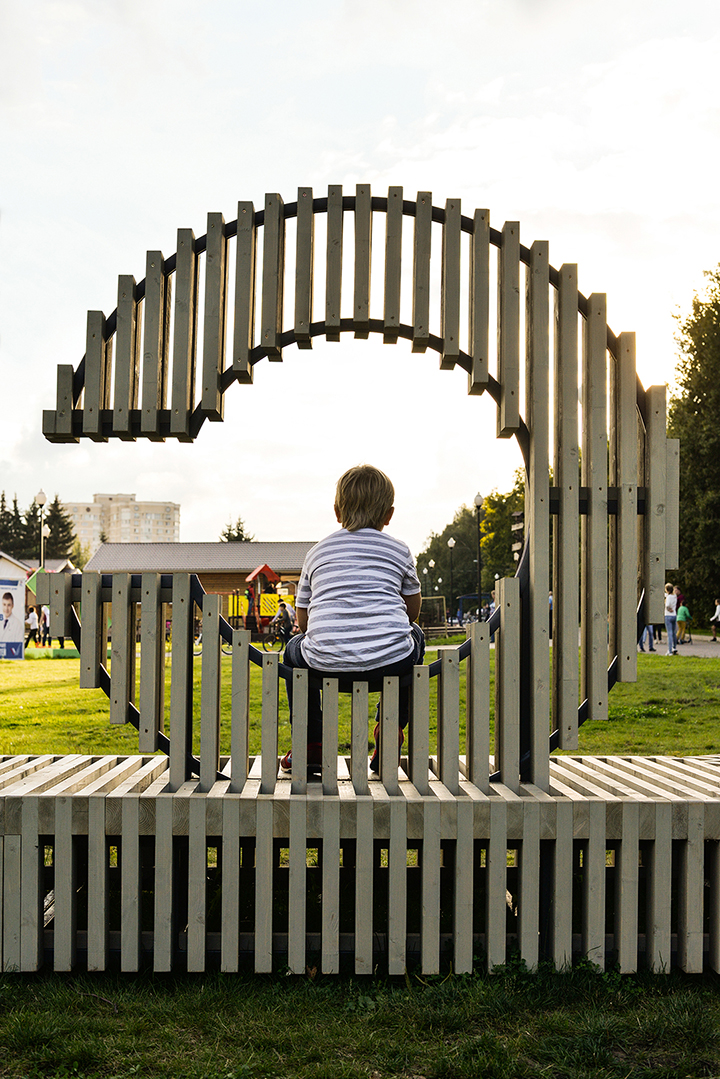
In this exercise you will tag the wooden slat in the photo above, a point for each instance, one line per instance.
(496, 885)
(364, 869)
(463, 897)
(297, 884)
(359, 737)
(655, 497)
(507, 683)
(60, 605)
(63, 425)
(626, 890)
(659, 883)
(273, 276)
(31, 929)
(561, 925)
(244, 326)
(64, 861)
(508, 415)
(98, 879)
(93, 636)
(529, 886)
(672, 504)
(448, 721)
(98, 366)
(363, 260)
(239, 709)
(184, 334)
(421, 272)
(127, 356)
(304, 267)
(477, 749)
(181, 679)
(130, 890)
(215, 317)
(152, 664)
(450, 286)
(156, 342)
(333, 279)
(430, 869)
(197, 881)
(566, 476)
(593, 925)
(230, 913)
(163, 921)
(330, 915)
(419, 729)
(263, 884)
(712, 870)
(479, 312)
(389, 727)
(691, 891)
(122, 655)
(397, 884)
(299, 721)
(269, 731)
(537, 507)
(11, 904)
(330, 708)
(210, 693)
(624, 524)
(393, 265)
(594, 531)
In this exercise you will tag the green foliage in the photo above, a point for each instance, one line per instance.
(20, 533)
(236, 533)
(59, 543)
(463, 529)
(498, 537)
(693, 418)
(80, 555)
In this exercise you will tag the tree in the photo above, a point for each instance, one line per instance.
(59, 543)
(5, 525)
(693, 418)
(498, 537)
(31, 533)
(80, 555)
(463, 529)
(236, 533)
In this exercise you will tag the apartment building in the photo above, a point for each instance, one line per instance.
(119, 518)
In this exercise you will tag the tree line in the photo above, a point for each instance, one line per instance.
(20, 531)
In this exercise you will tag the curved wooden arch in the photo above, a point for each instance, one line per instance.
(148, 389)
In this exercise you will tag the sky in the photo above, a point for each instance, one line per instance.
(597, 127)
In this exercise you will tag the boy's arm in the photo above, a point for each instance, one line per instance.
(412, 605)
(301, 614)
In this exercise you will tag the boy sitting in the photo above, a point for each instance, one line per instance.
(356, 604)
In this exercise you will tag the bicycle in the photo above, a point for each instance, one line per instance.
(273, 641)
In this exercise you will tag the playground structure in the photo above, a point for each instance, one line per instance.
(455, 858)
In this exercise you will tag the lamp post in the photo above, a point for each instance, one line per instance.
(478, 506)
(451, 544)
(40, 500)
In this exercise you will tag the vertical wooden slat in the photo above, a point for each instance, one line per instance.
(65, 922)
(92, 637)
(273, 276)
(419, 754)
(97, 931)
(508, 416)
(330, 706)
(130, 890)
(594, 531)
(397, 885)
(389, 728)
(333, 282)
(63, 427)
(239, 709)
(529, 885)
(210, 694)
(164, 884)
(31, 929)
(304, 267)
(197, 878)
(477, 696)
(60, 605)
(156, 342)
(263, 884)
(626, 890)
(244, 326)
(672, 504)
(450, 286)
(11, 904)
(659, 883)
(330, 938)
(537, 507)
(230, 942)
(463, 897)
(215, 317)
(566, 584)
(561, 925)
(448, 721)
(364, 870)
(184, 334)
(430, 869)
(507, 683)
(393, 264)
(593, 930)
(269, 731)
(98, 367)
(359, 737)
(363, 260)
(623, 526)
(655, 503)
(122, 664)
(152, 664)
(421, 272)
(713, 875)
(127, 356)
(479, 313)
(496, 885)
(299, 731)
(691, 891)
(297, 883)
(181, 679)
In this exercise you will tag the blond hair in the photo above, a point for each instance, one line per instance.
(364, 497)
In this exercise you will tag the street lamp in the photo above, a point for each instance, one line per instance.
(40, 500)
(451, 544)
(478, 506)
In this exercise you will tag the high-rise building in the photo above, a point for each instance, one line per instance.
(120, 519)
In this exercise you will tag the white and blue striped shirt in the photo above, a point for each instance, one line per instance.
(352, 584)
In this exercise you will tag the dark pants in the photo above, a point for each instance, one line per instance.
(293, 657)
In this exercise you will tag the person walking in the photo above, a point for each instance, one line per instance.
(671, 619)
(715, 621)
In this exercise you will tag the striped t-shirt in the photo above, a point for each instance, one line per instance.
(352, 584)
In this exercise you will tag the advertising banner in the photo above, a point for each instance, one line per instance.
(12, 623)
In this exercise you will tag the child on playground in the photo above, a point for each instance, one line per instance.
(357, 601)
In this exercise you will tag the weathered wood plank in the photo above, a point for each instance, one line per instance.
(626, 890)
(130, 890)
(98, 868)
(181, 682)
(672, 510)
(363, 260)
(127, 356)
(561, 926)
(655, 503)
(239, 709)
(419, 730)
(624, 524)
(297, 890)
(393, 265)
(479, 313)
(268, 720)
(64, 861)
(182, 397)
(389, 731)
(304, 267)
(31, 926)
(215, 317)
(397, 885)
(163, 917)
(122, 655)
(11, 902)
(448, 721)
(430, 868)
(477, 696)
(496, 886)
(359, 737)
(364, 872)
(421, 272)
(197, 877)
(93, 639)
(330, 705)
(507, 683)
(659, 883)
(210, 693)
(244, 324)
(152, 663)
(299, 720)
(463, 897)
(529, 886)
(273, 276)
(263, 884)
(98, 368)
(63, 426)
(334, 258)
(156, 342)
(508, 415)
(593, 923)
(691, 890)
(330, 935)
(450, 286)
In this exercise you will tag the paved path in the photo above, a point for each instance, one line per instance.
(701, 646)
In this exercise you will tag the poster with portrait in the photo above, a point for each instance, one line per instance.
(12, 622)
